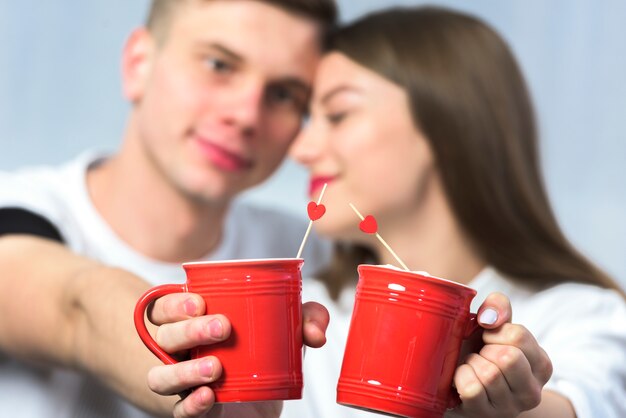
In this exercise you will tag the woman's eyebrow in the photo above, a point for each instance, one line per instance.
(342, 88)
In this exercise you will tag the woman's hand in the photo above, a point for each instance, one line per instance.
(182, 325)
(508, 375)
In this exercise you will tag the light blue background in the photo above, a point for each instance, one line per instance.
(60, 93)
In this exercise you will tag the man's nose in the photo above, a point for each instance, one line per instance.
(243, 107)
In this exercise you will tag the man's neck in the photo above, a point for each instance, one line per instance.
(149, 214)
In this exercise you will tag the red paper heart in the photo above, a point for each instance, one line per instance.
(315, 211)
(369, 225)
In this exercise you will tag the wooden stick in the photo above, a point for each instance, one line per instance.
(308, 230)
(393, 253)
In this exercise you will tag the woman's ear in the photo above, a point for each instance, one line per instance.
(137, 58)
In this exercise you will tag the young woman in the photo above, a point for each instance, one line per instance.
(421, 117)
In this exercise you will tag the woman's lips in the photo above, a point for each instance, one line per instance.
(318, 182)
(222, 158)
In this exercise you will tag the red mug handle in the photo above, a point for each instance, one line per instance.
(472, 343)
(140, 324)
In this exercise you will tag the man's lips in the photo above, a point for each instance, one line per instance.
(223, 158)
(318, 182)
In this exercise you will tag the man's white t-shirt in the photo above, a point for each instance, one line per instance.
(581, 327)
(60, 195)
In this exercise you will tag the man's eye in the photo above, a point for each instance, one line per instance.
(285, 98)
(280, 95)
(219, 66)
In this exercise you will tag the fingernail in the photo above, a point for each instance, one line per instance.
(206, 368)
(190, 307)
(216, 329)
(488, 316)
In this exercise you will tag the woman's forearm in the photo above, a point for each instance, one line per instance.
(552, 405)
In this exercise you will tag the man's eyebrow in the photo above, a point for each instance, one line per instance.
(222, 49)
(295, 83)
(292, 82)
(339, 89)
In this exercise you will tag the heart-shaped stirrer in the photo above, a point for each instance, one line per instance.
(370, 226)
(315, 211)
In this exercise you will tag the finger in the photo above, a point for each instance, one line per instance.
(315, 318)
(207, 329)
(197, 404)
(474, 399)
(518, 336)
(176, 307)
(495, 311)
(493, 381)
(176, 378)
(515, 368)
(262, 409)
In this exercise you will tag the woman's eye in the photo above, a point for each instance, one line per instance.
(336, 118)
(219, 66)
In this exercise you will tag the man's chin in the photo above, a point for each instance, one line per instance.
(209, 192)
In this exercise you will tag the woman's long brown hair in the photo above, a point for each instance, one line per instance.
(470, 100)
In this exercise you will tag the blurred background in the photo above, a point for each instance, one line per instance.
(60, 94)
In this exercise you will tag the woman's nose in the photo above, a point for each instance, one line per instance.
(307, 147)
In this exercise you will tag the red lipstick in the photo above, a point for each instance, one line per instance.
(317, 182)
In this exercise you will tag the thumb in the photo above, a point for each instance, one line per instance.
(495, 311)
(315, 320)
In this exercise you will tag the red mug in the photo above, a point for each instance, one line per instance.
(262, 299)
(404, 343)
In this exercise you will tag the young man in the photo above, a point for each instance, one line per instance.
(218, 91)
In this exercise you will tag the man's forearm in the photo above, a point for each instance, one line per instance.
(61, 309)
(36, 310)
(107, 344)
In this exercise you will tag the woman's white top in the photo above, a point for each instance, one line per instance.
(581, 327)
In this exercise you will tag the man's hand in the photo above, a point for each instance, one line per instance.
(182, 325)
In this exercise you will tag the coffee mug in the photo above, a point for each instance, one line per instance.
(262, 358)
(404, 342)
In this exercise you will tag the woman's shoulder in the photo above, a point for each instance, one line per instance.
(565, 305)
(581, 327)
(578, 298)
(569, 310)
(569, 295)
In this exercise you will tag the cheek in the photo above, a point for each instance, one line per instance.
(270, 156)
(187, 98)
(408, 183)
(368, 158)
(282, 127)
(182, 89)
(270, 152)
(275, 137)
(182, 99)
(387, 170)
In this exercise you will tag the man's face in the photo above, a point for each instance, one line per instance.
(219, 101)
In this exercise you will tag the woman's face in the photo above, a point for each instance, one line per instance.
(361, 140)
